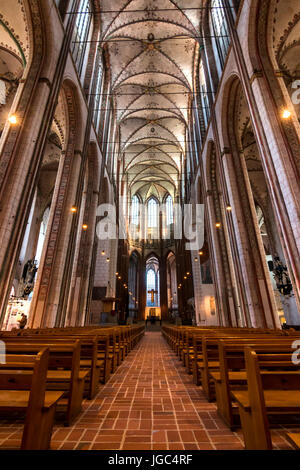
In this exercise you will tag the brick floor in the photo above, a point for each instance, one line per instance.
(150, 403)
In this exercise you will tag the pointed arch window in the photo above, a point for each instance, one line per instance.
(135, 209)
(169, 210)
(81, 33)
(152, 284)
(204, 95)
(220, 33)
(152, 213)
(98, 91)
(2, 92)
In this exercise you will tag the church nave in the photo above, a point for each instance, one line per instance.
(150, 403)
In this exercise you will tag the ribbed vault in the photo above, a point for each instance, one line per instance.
(151, 47)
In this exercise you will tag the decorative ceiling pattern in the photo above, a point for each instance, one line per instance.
(286, 37)
(151, 46)
(14, 29)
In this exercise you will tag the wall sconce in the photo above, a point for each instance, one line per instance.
(218, 225)
(229, 208)
(13, 119)
(286, 114)
(84, 227)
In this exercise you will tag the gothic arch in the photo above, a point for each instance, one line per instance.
(273, 45)
(243, 162)
(48, 303)
(23, 39)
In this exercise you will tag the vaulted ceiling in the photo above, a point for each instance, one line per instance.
(14, 30)
(151, 46)
(285, 21)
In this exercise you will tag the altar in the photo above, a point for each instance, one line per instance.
(153, 312)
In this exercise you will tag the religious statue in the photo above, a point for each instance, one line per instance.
(29, 272)
(281, 277)
(22, 322)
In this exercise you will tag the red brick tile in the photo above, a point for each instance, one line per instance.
(176, 446)
(159, 436)
(173, 436)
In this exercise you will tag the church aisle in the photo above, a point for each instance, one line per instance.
(150, 403)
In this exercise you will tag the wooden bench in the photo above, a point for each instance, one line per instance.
(24, 390)
(94, 355)
(210, 357)
(294, 439)
(232, 373)
(92, 347)
(277, 394)
(63, 372)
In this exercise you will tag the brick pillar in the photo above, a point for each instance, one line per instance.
(163, 288)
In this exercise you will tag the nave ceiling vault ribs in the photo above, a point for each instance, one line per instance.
(152, 48)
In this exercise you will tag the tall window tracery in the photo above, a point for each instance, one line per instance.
(204, 95)
(152, 209)
(98, 91)
(81, 33)
(220, 33)
(135, 208)
(169, 210)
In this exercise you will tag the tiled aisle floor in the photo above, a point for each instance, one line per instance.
(149, 403)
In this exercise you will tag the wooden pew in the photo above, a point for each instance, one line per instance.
(294, 439)
(93, 356)
(24, 390)
(276, 394)
(63, 373)
(232, 374)
(209, 359)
